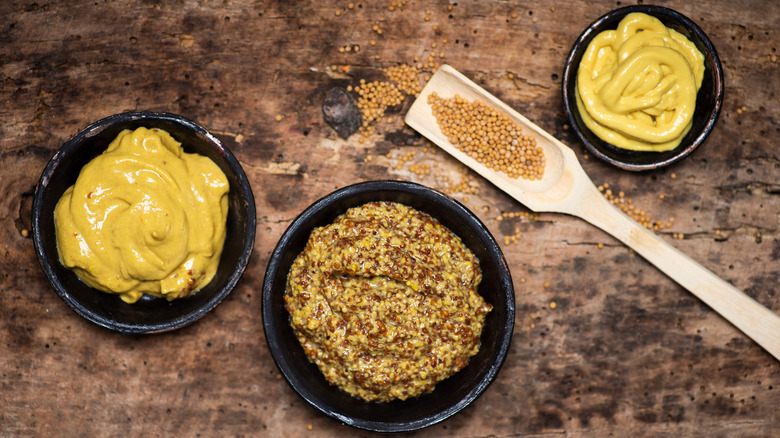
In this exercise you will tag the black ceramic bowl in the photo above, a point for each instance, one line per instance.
(708, 102)
(450, 395)
(149, 314)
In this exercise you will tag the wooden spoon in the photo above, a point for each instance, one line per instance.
(566, 188)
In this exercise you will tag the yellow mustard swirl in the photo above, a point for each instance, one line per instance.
(637, 85)
(144, 217)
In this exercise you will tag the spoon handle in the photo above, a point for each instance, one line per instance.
(756, 321)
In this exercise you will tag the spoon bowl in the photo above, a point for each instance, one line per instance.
(566, 188)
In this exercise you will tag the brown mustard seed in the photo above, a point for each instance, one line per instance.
(488, 136)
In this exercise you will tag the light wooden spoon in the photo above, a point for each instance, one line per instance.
(566, 188)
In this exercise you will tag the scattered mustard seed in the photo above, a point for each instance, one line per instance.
(626, 205)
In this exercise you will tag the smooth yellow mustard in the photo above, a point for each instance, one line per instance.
(637, 85)
(144, 217)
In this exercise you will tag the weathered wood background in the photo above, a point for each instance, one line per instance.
(624, 351)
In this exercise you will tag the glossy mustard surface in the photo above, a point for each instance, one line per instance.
(637, 85)
(144, 217)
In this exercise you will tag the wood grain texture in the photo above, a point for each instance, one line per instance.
(624, 351)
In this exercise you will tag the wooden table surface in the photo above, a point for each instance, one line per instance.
(604, 344)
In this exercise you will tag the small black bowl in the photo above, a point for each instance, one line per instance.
(149, 314)
(451, 395)
(708, 101)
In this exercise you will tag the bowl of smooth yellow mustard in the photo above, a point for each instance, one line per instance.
(388, 306)
(143, 222)
(642, 87)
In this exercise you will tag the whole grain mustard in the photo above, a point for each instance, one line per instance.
(637, 85)
(384, 301)
(144, 217)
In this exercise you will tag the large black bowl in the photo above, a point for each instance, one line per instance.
(149, 314)
(708, 101)
(450, 395)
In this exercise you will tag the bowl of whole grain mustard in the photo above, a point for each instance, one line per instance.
(642, 87)
(388, 306)
(143, 222)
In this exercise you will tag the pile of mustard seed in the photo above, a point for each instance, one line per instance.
(488, 136)
(375, 97)
(405, 77)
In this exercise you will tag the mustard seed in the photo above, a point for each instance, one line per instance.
(488, 136)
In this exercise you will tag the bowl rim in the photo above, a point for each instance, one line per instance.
(570, 76)
(299, 224)
(45, 260)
